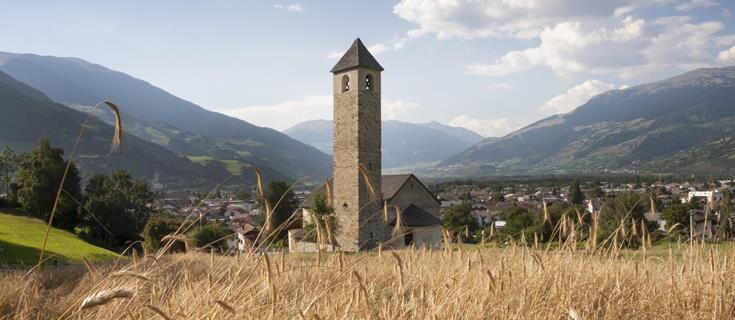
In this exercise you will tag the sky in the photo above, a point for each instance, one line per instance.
(491, 66)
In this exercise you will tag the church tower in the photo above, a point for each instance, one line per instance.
(357, 201)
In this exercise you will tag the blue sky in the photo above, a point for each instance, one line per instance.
(488, 65)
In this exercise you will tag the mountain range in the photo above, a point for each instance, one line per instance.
(404, 145)
(164, 119)
(29, 115)
(683, 124)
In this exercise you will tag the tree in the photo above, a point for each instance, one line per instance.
(241, 195)
(282, 202)
(523, 223)
(576, 197)
(159, 226)
(497, 197)
(678, 213)
(520, 222)
(9, 164)
(625, 210)
(211, 234)
(458, 219)
(322, 212)
(118, 207)
(38, 181)
(597, 193)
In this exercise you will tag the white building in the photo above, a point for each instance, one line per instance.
(714, 198)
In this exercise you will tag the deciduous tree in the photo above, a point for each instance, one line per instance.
(38, 181)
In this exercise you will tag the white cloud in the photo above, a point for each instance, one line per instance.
(727, 56)
(295, 7)
(397, 109)
(574, 97)
(284, 115)
(622, 11)
(486, 127)
(566, 48)
(633, 49)
(682, 41)
(576, 36)
(500, 86)
(398, 43)
(492, 18)
(334, 54)
(692, 4)
(378, 48)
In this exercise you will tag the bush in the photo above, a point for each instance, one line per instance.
(157, 228)
(458, 219)
(211, 234)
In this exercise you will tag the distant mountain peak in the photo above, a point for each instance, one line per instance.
(404, 144)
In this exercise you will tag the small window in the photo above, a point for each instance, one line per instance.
(345, 83)
(371, 235)
(408, 239)
(369, 82)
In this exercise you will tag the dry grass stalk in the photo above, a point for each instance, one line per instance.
(130, 274)
(158, 311)
(178, 237)
(385, 211)
(103, 297)
(398, 228)
(117, 137)
(226, 306)
(259, 177)
(368, 181)
(116, 140)
(573, 314)
(330, 194)
(690, 281)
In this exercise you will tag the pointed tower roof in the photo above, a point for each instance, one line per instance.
(357, 56)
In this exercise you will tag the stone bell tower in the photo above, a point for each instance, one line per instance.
(356, 83)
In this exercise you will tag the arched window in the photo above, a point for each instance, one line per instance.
(345, 83)
(369, 82)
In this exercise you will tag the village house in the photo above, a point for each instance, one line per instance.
(712, 198)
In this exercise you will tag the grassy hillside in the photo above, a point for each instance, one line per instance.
(21, 238)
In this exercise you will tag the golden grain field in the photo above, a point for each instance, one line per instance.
(462, 283)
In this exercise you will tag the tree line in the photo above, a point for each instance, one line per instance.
(112, 211)
(619, 217)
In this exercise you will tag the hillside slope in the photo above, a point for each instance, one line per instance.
(404, 144)
(75, 81)
(21, 238)
(28, 115)
(631, 129)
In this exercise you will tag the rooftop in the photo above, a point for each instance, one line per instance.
(357, 56)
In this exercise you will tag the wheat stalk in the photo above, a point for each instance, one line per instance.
(103, 297)
(116, 140)
(368, 180)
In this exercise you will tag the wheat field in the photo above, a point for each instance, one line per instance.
(516, 282)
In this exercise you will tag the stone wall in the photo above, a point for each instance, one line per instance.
(411, 192)
(356, 141)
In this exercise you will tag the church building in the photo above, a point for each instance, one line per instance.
(366, 203)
